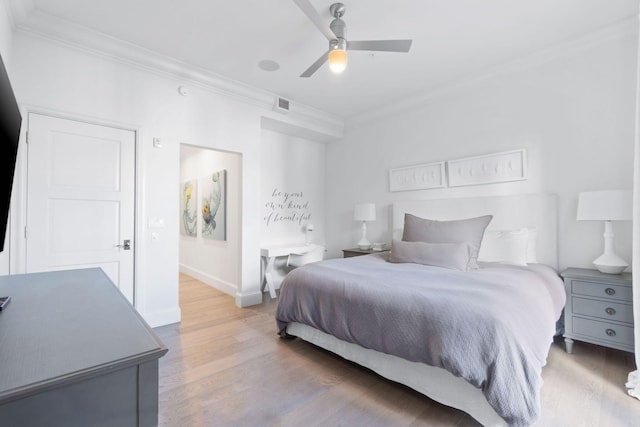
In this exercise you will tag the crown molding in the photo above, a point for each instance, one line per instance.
(617, 30)
(31, 22)
(18, 10)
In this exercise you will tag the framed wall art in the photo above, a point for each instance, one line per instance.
(213, 211)
(188, 208)
(488, 169)
(418, 177)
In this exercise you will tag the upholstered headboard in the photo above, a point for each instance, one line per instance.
(537, 211)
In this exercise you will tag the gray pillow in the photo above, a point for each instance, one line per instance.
(448, 255)
(470, 230)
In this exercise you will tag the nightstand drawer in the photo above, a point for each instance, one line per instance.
(603, 330)
(601, 290)
(603, 309)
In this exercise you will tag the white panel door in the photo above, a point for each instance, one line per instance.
(80, 198)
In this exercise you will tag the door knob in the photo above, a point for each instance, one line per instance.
(126, 245)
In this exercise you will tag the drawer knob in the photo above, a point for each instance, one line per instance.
(611, 332)
(610, 291)
(610, 311)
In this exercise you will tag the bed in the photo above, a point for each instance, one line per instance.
(475, 339)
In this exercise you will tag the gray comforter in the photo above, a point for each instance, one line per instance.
(492, 326)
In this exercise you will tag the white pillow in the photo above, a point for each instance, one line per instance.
(506, 247)
(532, 246)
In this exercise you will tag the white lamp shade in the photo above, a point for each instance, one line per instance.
(365, 212)
(609, 205)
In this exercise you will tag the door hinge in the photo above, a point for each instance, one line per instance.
(25, 233)
(27, 137)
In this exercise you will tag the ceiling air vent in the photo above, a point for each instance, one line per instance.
(282, 105)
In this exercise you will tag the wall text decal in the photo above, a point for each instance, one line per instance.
(287, 207)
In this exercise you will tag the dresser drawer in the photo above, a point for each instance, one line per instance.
(603, 309)
(603, 331)
(601, 290)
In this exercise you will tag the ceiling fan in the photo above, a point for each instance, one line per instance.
(336, 33)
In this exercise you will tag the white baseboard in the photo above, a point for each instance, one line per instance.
(248, 299)
(214, 282)
(161, 318)
(242, 299)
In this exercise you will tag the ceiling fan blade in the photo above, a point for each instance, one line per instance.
(380, 45)
(314, 67)
(314, 16)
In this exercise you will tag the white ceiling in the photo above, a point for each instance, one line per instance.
(451, 39)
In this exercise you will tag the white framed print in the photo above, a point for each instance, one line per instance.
(419, 177)
(488, 169)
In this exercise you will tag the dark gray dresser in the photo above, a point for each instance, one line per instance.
(599, 308)
(74, 352)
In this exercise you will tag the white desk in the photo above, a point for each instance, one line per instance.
(270, 253)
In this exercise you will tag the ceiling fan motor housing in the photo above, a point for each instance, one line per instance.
(339, 28)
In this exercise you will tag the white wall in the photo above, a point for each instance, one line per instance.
(215, 262)
(77, 82)
(292, 189)
(572, 108)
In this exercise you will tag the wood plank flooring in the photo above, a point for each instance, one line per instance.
(227, 367)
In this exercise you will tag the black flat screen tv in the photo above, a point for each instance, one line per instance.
(10, 122)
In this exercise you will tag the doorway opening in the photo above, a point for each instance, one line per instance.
(210, 214)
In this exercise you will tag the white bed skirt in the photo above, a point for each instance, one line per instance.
(435, 383)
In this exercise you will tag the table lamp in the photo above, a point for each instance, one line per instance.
(364, 212)
(607, 206)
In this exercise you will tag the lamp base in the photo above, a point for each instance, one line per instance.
(610, 263)
(364, 245)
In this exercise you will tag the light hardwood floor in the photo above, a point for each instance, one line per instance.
(227, 367)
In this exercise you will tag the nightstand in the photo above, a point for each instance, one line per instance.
(348, 253)
(599, 308)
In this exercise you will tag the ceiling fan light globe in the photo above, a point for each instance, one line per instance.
(338, 60)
